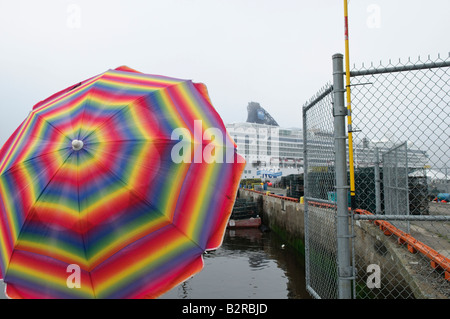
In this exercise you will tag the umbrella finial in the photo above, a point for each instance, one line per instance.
(77, 145)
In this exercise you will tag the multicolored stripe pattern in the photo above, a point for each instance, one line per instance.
(132, 221)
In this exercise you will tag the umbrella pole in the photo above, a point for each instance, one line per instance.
(349, 110)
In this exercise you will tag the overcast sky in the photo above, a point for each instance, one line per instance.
(276, 53)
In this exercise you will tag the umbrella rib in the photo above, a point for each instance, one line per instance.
(84, 111)
(125, 107)
(30, 159)
(147, 203)
(82, 233)
(49, 123)
(147, 94)
(27, 217)
(144, 201)
(126, 185)
(38, 115)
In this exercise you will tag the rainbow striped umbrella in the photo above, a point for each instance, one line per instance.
(114, 188)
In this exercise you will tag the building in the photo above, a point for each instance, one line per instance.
(272, 151)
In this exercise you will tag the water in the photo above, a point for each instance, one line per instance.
(249, 264)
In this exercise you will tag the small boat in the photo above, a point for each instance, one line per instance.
(252, 222)
(244, 215)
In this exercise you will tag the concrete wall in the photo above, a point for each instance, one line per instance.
(286, 218)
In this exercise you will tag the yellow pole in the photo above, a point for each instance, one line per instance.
(349, 110)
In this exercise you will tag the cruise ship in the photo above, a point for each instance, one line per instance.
(272, 151)
(269, 151)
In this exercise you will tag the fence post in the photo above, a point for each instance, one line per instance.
(377, 181)
(345, 271)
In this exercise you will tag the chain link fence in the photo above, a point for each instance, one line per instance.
(395, 183)
(399, 234)
(319, 197)
(401, 137)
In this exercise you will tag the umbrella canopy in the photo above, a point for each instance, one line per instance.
(114, 188)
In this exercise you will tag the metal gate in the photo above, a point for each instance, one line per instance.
(391, 239)
(319, 197)
(326, 268)
(395, 181)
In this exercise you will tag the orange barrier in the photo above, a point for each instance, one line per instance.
(436, 259)
(291, 199)
(323, 205)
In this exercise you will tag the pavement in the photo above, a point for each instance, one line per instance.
(435, 234)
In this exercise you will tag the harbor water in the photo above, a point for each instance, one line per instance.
(249, 264)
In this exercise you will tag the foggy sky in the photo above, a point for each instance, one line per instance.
(276, 53)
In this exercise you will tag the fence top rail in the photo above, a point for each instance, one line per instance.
(317, 201)
(403, 217)
(412, 67)
(310, 104)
